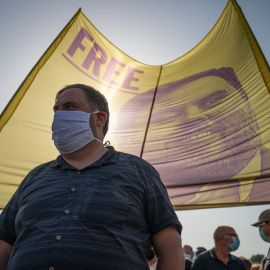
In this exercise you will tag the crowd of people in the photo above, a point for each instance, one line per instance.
(226, 241)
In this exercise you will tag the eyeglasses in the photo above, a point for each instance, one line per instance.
(231, 234)
(262, 224)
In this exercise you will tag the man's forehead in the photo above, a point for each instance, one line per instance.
(187, 248)
(197, 90)
(205, 86)
(72, 96)
(71, 92)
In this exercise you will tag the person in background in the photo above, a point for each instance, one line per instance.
(263, 263)
(219, 258)
(91, 208)
(263, 223)
(255, 266)
(247, 262)
(188, 252)
(200, 250)
(152, 259)
(188, 264)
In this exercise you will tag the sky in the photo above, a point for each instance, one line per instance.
(153, 32)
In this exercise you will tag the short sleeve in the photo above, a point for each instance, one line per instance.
(159, 210)
(7, 220)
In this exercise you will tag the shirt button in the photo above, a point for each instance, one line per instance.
(58, 237)
(66, 211)
(73, 189)
(51, 268)
(78, 172)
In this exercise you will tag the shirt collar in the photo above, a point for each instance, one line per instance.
(107, 158)
(214, 255)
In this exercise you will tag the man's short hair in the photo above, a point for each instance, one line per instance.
(191, 249)
(200, 250)
(219, 231)
(95, 99)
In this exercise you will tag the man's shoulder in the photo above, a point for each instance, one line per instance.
(45, 165)
(127, 157)
(42, 167)
(122, 155)
(236, 259)
(132, 164)
(203, 260)
(205, 255)
(37, 171)
(267, 261)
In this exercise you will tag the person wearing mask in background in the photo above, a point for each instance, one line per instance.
(263, 223)
(189, 256)
(152, 259)
(219, 258)
(91, 208)
(188, 252)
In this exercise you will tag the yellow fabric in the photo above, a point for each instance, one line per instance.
(202, 120)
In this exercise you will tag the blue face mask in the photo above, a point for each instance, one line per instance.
(187, 256)
(235, 244)
(263, 236)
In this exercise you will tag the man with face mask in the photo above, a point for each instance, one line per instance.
(92, 207)
(226, 240)
(263, 224)
(188, 252)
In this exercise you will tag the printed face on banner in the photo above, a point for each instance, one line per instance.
(202, 128)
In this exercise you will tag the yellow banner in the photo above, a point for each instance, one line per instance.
(202, 120)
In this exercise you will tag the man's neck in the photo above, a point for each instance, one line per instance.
(222, 253)
(86, 155)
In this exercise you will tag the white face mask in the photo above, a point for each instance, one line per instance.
(71, 130)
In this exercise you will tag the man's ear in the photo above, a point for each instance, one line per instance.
(222, 237)
(101, 119)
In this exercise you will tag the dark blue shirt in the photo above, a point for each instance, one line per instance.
(208, 260)
(267, 262)
(101, 217)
